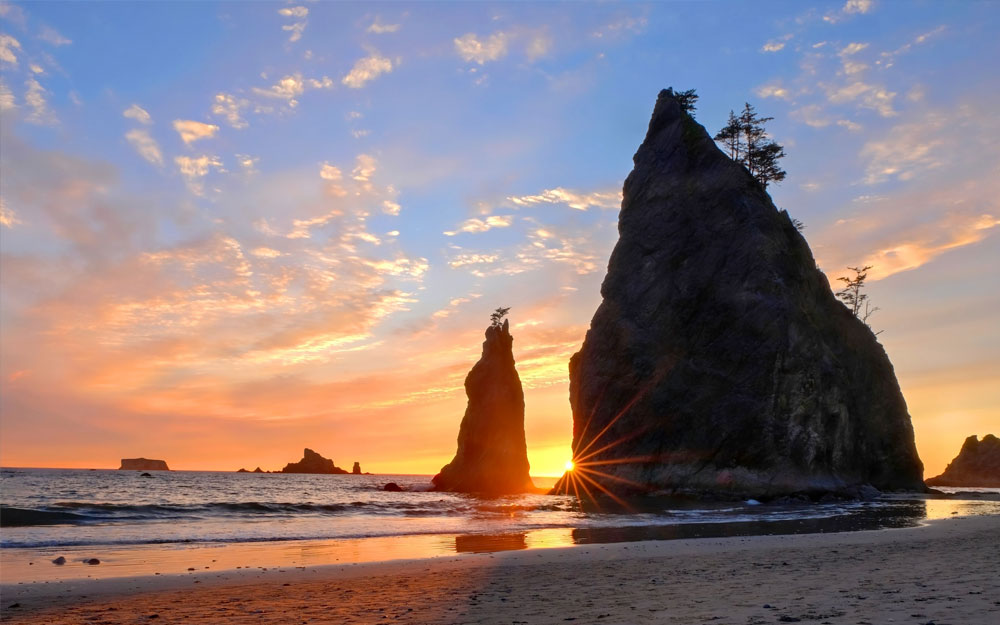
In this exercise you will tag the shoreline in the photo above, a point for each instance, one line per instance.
(944, 570)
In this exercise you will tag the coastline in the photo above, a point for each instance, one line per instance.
(942, 570)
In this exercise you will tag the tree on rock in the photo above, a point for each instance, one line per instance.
(496, 319)
(746, 140)
(853, 298)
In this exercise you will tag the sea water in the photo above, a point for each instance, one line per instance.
(135, 523)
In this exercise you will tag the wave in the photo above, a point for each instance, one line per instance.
(87, 513)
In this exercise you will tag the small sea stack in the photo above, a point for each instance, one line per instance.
(357, 468)
(492, 456)
(311, 462)
(720, 363)
(977, 465)
(143, 464)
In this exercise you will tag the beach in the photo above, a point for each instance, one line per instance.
(944, 571)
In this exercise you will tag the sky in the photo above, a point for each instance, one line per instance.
(233, 230)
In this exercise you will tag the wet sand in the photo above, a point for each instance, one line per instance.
(945, 572)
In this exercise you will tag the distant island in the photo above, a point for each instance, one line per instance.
(976, 465)
(312, 462)
(143, 464)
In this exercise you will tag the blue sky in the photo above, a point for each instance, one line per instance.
(267, 225)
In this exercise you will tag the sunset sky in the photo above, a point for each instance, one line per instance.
(234, 230)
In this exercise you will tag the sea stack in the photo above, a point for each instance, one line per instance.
(143, 464)
(357, 468)
(492, 456)
(312, 462)
(719, 362)
(977, 465)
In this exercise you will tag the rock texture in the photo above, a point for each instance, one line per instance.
(143, 464)
(719, 361)
(977, 464)
(311, 462)
(357, 468)
(492, 456)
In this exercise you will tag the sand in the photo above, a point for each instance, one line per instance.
(945, 572)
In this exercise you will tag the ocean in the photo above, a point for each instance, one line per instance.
(97, 513)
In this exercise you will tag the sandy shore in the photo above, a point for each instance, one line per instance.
(946, 572)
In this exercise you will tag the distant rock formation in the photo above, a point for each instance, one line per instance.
(977, 465)
(312, 462)
(242, 471)
(357, 468)
(258, 470)
(142, 464)
(492, 456)
(719, 362)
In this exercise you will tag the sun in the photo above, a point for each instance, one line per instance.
(569, 465)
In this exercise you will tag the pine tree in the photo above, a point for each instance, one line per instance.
(748, 144)
(687, 99)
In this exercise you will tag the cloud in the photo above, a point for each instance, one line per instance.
(247, 163)
(870, 96)
(9, 47)
(851, 7)
(888, 59)
(34, 97)
(773, 90)
(858, 6)
(776, 45)
(367, 69)
(391, 208)
(482, 225)
(138, 113)
(472, 49)
(52, 36)
(8, 218)
(378, 28)
(193, 169)
(621, 27)
(329, 172)
(228, 106)
(295, 28)
(290, 87)
(573, 199)
(364, 168)
(7, 101)
(538, 46)
(191, 131)
(852, 48)
(145, 145)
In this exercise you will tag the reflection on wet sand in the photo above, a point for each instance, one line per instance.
(485, 543)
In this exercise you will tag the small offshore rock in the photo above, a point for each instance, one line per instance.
(392, 487)
(60, 561)
(93, 561)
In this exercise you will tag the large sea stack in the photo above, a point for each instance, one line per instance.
(143, 464)
(977, 465)
(719, 362)
(492, 456)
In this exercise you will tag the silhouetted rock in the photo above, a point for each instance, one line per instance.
(357, 468)
(142, 464)
(312, 462)
(145, 475)
(392, 487)
(242, 471)
(719, 362)
(61, 560)
(492, 456)
(977, 464)
(92, 561)
(258, 470)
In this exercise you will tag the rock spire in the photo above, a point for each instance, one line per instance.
(492, 456)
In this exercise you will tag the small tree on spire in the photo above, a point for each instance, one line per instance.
(496, 319)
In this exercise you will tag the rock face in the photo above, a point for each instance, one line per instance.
(492, 456)
(357, 468)
(311, 462)
(142, 464)
(977, 464)
(719, 361)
